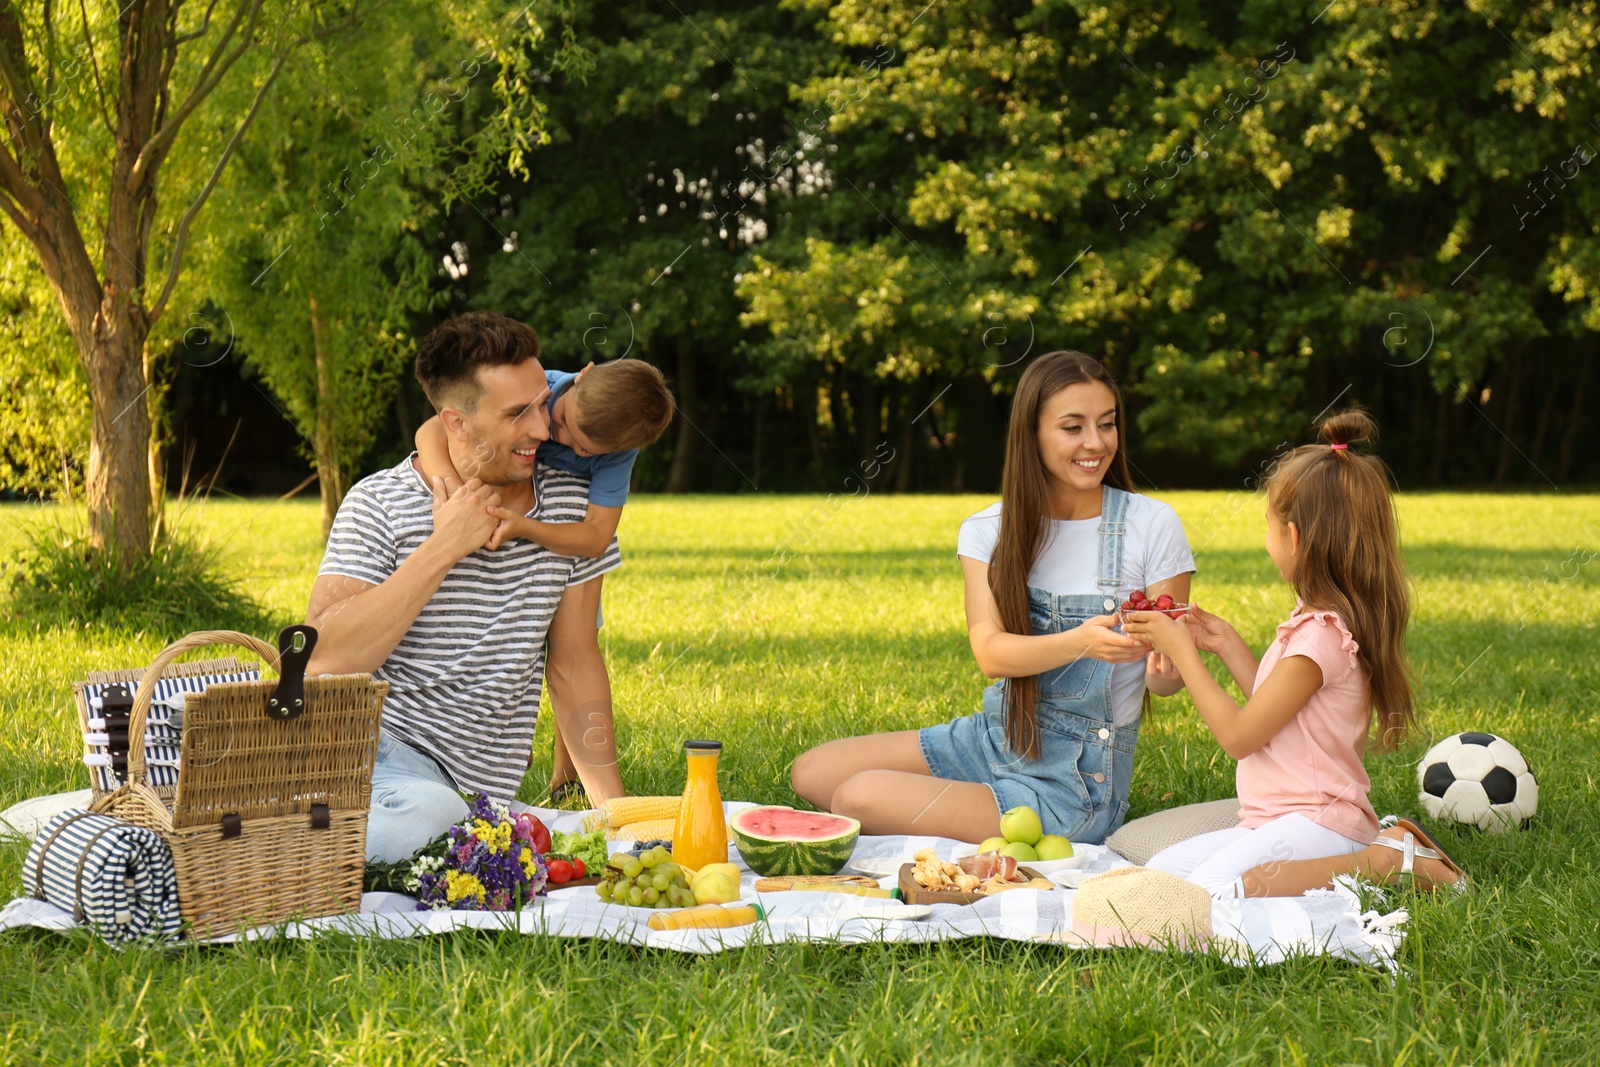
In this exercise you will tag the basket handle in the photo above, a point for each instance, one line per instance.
(147, 683)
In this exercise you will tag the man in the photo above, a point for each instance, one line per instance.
(417, 589)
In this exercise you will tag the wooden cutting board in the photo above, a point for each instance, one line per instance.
(912, 893)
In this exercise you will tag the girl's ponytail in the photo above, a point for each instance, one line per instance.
(1347, 428)
(1349, 561)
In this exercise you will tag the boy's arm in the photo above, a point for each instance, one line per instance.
(587, 539)
(433, 452)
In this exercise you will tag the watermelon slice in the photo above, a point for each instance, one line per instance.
(778, 841)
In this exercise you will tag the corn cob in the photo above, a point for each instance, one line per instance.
(624, 810)
(647, 830)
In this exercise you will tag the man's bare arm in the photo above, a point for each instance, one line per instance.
(358, 624)
(580, 692)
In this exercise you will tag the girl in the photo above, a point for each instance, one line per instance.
(1301, 735)
(1045, 570)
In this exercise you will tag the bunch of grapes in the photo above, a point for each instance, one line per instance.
(648, 880)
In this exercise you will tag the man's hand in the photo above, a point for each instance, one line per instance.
(462, 519)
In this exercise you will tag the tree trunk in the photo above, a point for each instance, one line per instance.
(1546, 412)
(867, 407)
(118, 481)
(1575, 419)
(688, 414)
(980, 448)
(1512, 418)
(330, 473)
(908, 440)
(1441, 436)
(755, 459)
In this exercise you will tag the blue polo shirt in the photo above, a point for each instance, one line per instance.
(608, 472)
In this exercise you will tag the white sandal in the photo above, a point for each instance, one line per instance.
(1409, 848)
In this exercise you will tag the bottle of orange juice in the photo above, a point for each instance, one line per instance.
(701, 833)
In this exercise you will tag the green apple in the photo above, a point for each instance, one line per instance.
(993, 844)
(1021, 852)
(1022, 824)
(1053, 847)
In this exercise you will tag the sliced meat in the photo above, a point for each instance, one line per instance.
(988, 865)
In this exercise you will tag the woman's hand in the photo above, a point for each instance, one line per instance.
(1166, 635)
(1211, 633)
(1100, 641)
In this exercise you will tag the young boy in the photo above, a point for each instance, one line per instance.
(599, 419)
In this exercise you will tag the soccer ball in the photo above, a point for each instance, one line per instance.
(1477, 779)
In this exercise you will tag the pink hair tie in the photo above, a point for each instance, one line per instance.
(1339, 446)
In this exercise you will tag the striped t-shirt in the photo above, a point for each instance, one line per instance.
(464, 682)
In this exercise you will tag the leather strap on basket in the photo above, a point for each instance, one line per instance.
(152, 675)
(294, 652)
(321, 817)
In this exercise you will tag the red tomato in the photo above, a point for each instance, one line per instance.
(560, 871)
(579, 868)
(541, 835)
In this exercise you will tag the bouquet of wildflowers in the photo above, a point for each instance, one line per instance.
(490, 862)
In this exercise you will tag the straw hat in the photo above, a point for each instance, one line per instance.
(1137, 906)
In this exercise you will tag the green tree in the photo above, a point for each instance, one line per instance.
(325, 261)
(44, 403)
(97, 110)
(1236, 208)
(629, 234)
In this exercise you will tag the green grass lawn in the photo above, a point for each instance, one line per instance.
(777, 623)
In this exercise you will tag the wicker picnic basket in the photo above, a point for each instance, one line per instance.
(269, 818)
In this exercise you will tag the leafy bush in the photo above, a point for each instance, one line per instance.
(60, 580)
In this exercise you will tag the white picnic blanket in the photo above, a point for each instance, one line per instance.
(1330, 922)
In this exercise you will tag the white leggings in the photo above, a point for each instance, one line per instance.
(1216, 860)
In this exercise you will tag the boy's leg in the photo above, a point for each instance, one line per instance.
(580, 696)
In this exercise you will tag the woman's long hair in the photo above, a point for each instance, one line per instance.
(1349, 559)
(1025, 516)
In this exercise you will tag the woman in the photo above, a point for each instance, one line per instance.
(1045, 572)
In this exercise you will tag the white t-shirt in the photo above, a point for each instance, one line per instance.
(1154, 548)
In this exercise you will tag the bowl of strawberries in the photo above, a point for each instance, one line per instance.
(1138, 601)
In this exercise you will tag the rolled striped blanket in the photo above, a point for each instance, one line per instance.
(113, 876)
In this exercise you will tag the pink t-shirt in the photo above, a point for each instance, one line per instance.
(1312, 766)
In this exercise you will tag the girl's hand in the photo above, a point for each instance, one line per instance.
(1159, 667)
(1165, 635)
(1103, 643)
(1211, 633)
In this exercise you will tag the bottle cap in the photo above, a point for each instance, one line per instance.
(703, 746)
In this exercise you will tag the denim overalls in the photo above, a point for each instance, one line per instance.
(1079, 784)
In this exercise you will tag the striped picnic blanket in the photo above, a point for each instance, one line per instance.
(163, 731)
(1334, 922)
(113, 876)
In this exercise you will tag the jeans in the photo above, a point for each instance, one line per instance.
(413, 802)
